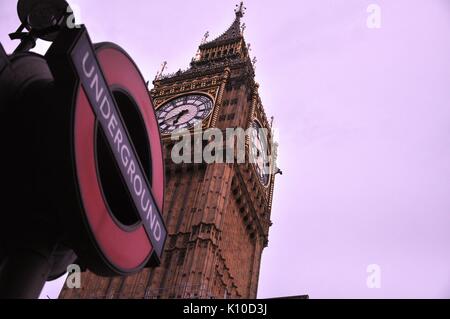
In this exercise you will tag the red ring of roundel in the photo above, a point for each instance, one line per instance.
(126, 250)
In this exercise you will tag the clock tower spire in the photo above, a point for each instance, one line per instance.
(228, 46)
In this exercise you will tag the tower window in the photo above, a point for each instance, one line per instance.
(226, 102)
(206, 55)
(222, 118)
(234, 101)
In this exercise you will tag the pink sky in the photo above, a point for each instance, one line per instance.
(364, 130)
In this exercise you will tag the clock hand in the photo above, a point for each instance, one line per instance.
(182, 113)
(176, 116)
(172, 117)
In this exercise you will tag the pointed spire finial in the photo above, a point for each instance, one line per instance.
(240, 10)
(161, 71)
(198, 55)
(243, 27)
(205, 37)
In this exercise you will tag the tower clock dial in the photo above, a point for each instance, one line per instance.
(183, 112)
(259, 149)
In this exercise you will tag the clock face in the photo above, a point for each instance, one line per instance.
(259, 151)
(183, 112)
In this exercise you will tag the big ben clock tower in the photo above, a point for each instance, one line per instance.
(217, 214)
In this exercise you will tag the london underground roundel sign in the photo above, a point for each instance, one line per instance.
(113, 152)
